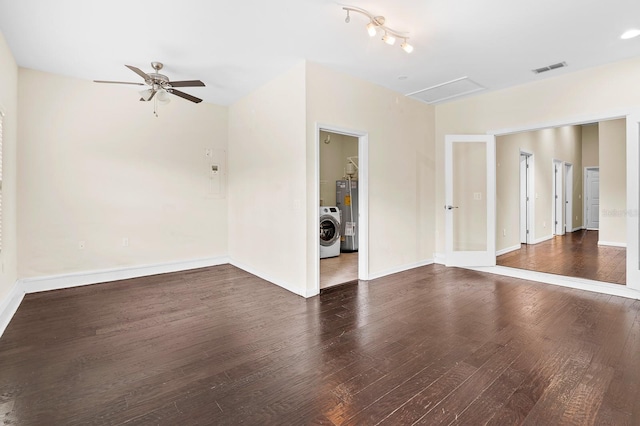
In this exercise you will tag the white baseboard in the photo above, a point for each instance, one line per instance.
(287, 286)
(571, 282)
(612, 244)
(579, 228)
(77, 279)
(9, 305)
(542, 239)
(439, 258)
(11, 302)
(402, 268)
(508, 250)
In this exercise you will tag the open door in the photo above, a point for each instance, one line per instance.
(470, 194)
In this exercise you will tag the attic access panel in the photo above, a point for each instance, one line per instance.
(448, 90)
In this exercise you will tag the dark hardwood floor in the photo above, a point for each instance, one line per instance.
(433, 345)
(575, 254)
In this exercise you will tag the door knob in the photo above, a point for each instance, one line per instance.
(450, 207)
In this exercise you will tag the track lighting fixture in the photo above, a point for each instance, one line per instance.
(376, 22)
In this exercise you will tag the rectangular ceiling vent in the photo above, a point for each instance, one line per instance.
(448, 90)
(550, 67)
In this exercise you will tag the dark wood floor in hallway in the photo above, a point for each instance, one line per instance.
(575, 254)
(219, 346)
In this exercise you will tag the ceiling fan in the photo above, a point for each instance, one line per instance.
(159, 85)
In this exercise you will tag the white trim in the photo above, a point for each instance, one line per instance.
(285, 285)
(542, 239)
(9, 305)
(440, 258)
(363, 204)
(570, 121)
(571, 282)
(579, 228)
(508, 250)
(532, 199)
(611, 244)
(77, 279)
(591, 229)
(633, 200)
(402, 268)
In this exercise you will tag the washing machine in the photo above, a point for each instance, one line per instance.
(329, 232)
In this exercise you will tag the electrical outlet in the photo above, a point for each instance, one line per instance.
(81, 245)
(125, 242)
(208, 153)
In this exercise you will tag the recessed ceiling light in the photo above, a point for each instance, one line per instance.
(630, 34)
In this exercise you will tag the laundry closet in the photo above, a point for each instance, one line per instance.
(338, 209)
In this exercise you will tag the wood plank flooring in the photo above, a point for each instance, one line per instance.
(433, 345)
(575, 254)
(338, 270)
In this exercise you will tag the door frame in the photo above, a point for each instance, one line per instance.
(467, 258)
(363, 203)
(632, 287)
(585, 205)
(568, 197)
(530, 203)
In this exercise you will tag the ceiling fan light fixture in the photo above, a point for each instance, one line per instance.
(145, 95)
(163, 97)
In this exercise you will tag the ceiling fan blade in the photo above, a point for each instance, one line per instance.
(187, 83)
(139, 72)
(185, 96)
(117, 82)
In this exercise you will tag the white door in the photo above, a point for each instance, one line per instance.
(470, 195)
(568, 197)
(525, 198)
(558, 199)
(593, 198)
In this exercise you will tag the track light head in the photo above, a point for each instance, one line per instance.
(348, 18)
(389, 39)
(371, 29)
(406, 46)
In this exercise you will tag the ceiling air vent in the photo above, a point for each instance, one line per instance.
(550, 67)
(448, 90)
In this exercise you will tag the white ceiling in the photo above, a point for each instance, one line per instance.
(236, 46)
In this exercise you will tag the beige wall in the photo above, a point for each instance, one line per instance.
(590, 146)
(333, 160)
(608, 89)
(401, 164)
(267, 181)
(613, 181)
(95, 165)
(9, 106)
(561, 143)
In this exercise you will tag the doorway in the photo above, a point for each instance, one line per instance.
(342, 191)
(592, 198)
